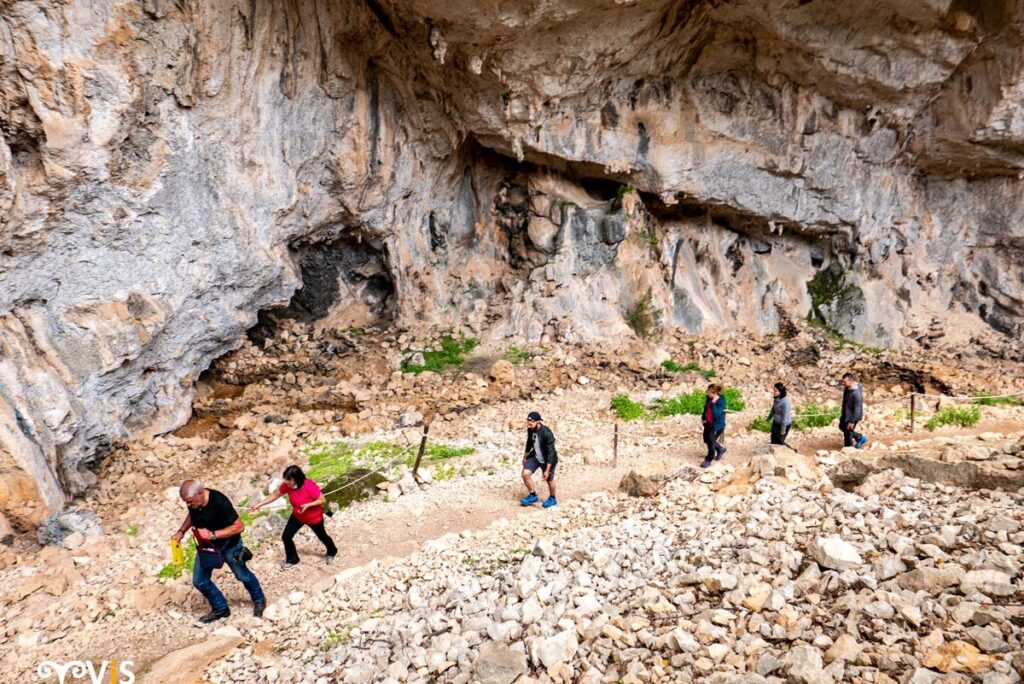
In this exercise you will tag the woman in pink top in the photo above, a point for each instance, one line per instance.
(307, 509)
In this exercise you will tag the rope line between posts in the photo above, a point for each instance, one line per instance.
(385, 466)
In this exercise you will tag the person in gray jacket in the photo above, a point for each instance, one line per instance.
(852, 413)
(781, 416)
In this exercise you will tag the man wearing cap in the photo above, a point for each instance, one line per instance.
(540, 453)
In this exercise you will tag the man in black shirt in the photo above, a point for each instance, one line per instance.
(218, 532)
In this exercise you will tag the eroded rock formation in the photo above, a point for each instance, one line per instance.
(170, 168)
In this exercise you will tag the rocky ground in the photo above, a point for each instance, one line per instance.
(431, 614)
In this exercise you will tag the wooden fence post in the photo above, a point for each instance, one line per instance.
(912, 397)
(419, 454)
(615, 446)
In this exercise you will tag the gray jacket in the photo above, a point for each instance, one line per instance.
(782, 411)
(853, 405)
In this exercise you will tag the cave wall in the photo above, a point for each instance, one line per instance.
(534, 170)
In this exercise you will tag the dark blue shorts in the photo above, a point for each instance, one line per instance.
(533, 465)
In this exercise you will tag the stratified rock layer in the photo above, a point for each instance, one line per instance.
(567, 169)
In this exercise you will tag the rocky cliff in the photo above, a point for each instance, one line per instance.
(536, 169)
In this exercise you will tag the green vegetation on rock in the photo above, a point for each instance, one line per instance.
(517, 356)
(685, 404)
(626, 408)
(963, 416)
(344, 469)
(452, 353)
(674, 367)
(642, 317)
(989, 400)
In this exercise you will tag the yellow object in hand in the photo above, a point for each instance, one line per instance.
(177, 555)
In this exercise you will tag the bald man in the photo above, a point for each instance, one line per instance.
(218, 532)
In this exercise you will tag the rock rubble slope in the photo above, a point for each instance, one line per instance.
(549, 170)
(768, 573)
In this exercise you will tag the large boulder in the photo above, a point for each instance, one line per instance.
(646, 479)
(498, 664)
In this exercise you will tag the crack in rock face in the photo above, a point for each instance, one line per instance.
(537, 170)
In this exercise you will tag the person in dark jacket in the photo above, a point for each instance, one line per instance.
(713, 419)
(781, 416)
(540, 453)
(852, 412)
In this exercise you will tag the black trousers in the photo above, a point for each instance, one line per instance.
(850, 437)
(779, 432)
(711, 437)
(288, 538)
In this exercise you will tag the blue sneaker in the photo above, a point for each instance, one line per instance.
(551, 501)
(706, 463)
(861, 442)
(529, 500)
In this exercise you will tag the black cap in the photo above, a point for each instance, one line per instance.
(534, 416)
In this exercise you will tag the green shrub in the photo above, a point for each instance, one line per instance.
(693, 403)
(674, 367)
(626, 408)
(812, 415)
(989, 400)
(452, 353)
(964, 416)
(132, 529)
(642, 317)
(517, 356)
(760, 424)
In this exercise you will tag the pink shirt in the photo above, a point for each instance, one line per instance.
(306, 493)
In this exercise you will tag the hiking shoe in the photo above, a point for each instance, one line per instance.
(861, 442)
(288, 566)
(331, 559)
(258, 607)
(721, 453)
(706, 463)
(529, 500)
(551, 501)
(215, 615)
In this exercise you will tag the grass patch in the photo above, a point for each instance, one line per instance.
(693, 403)
(452, 353)
(685, 404)
(989, 400)
(805, 417)
(642, 317)
(172, 571)
(517, 356)
(964, 416)
(812, 415)
(674, 367)
(336, 464)
(626, 408)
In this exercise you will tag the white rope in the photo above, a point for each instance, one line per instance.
(387, 465)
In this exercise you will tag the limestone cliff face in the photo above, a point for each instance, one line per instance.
(169, 168)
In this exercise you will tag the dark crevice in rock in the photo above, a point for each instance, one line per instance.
(348, 277)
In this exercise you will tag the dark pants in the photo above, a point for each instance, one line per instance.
(711, 437)
(233, 559)
(779, 432)
(288, 536)
(850, 437)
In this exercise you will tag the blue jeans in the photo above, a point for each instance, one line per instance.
(233, 559)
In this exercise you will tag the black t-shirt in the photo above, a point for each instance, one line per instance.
(217, 514)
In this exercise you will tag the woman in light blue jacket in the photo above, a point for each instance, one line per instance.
(781, 416)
